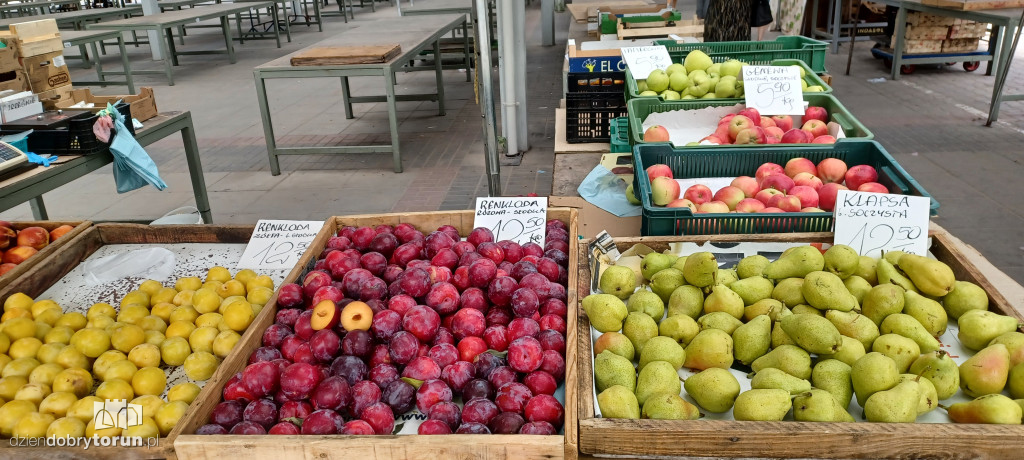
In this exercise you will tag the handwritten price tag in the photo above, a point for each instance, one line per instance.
(642, 60)
(278, 243)
(519, 219)
(773, 90)
(876, 222)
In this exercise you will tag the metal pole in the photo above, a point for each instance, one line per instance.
(1003, 70)
(522, 129)
(482, 49)
(853, 39)
(507, 75)
(547, 22)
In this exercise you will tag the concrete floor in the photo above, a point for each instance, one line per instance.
(931, 121)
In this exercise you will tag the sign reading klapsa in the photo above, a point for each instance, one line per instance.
(875, 222)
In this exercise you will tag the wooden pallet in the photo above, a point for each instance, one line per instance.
(972, 5)
(720, 438)
(271, 447)
(345, 55)
(683, 28)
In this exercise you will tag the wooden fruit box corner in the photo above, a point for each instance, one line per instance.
(788, 439)
(41, 276)
(498, 447)
(42, 255)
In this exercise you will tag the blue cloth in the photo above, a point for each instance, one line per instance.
(133, 168)
(607, 191)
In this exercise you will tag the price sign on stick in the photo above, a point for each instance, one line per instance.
(876, 222)
(519, 219)
(278, 243)
(642, 60)
(773, 90)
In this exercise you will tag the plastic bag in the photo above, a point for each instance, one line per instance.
(150, 263)
(102, 128)
(133, 168)
(607, 191)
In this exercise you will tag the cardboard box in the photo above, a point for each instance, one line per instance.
(606, 59)
(9, 53)
(960, 45)
(46, 71)
(52, 97)
(592, 219)
(142, 105)
(37, 37)
(14, 80)
(17, 108)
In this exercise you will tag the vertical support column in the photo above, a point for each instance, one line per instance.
(507, 74)
(547, 22)
(482, 49)
(522, 132)
(149, 8)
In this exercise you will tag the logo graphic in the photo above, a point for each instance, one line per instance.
(58, 79)
(590, 64)
(116, 413)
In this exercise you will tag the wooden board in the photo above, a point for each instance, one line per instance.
(683, 28)
(46, 252)
(719, 438)
(342, 55)
(972, 5)
(271, 447)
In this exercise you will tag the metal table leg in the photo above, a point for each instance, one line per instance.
(345, 98)
(897, 48)
(170, 55)
(124, 62)
(195, 171)
(438, 71)
(993, 48)
(268, 125)
(225, 25)
(38, 208)
(837, 24)
(389, 87)
(277, 27)
(465, 50)
(1006, 49)
(99, 65)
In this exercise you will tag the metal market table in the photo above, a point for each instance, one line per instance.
(168, 21)
(81, 38)
(39, 7)
(31, 185)
(78, 19)
(414, 36)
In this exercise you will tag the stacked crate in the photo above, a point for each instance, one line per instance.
(928, 33)
(42, 58)
(592, 101)
(12, 76)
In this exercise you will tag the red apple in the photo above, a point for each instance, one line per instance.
(789, 203)
(807, 195)
(752, 114)
(18, 254)
(773, 201)
(770, 209)
(682, 203)
(855, 177)
(873, 187)
(664, 190)
(726, 119)
(656, 133)
(767, 122)
(659, 170)
(751, 136)
(766, 170)
(34, 237)
(816, 113)
(827, 195)
(713, 207)
(714, 140)
(795, 136)
(826, 139)
(737, 124)
(749, 205)
(773, 135)
(807, 179)
(815, 127)
(764, 196)
(780, 182)
(730, 195)
(722, 132)
(832, 170)
(799, 165)
(784, 122)
(698, 194)
(812, 210)
(747, 184)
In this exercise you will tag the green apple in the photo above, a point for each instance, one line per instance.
(715, 69)
(672, 69)
(692, 144)
(714, 81)
(657, 81)
(649, 93)
(698, 76)
(696, 60)
(803, 85)
(726, 86)
(732, 67)
(641, 85)
(688, 96)
(803, 73)
(670, 95)
(815, 89)
(709, 96)
(701, 89)
(678, 81)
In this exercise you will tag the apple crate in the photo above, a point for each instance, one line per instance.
(726, 162)
(43, 254)
(640, 108)
(280, 447)
(798, 47)
(787, 439)
(809, 76)
(41, 277)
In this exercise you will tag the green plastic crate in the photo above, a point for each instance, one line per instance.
(805, 49)
(810, 77)
(719, 162)
(640, 108)
(619, 130)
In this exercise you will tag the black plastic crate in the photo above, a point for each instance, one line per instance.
(595, 82)
(589, 115)
(75, 139)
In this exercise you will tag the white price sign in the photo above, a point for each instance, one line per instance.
(642, 60)
(874, 222)
(519, 219)
(773, 90)
(278, 243)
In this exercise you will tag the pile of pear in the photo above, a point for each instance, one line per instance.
(817, 329)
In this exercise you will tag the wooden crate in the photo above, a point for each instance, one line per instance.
(498, 447)
(921, 46)
(40, 277)
(683, 28)
(927, 32)
(960, 45)
(788, 439)
(917, 18)
(51, 248)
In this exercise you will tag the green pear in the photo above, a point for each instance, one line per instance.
(639, 328)
(789, 292)
(618, 402)
(644, 301)
(883, 300)
(887, 274)
(979, 327)
(964, 297)
(714, 389)
(857, 286)
(908, 327)
(855, 326)
(656, 377)
(686, 300)
(873, 373)
(752, 340)
(868, 269)
(779, 336)
(611, 369)
(834, 376)
(701, 269)
(654, 263)
(819, 406)
(932, 277)
(680, 328)
(709, 348)
(841, 260)
(766, 405)
(849, 353)
(795, 263)
(789, 358)
(1014, 342)
(753, 289)
(719, 320)
(927, 312)
(896, 405)
(664, 406)
(825, 291)
(902, 350)
(726, 276)
(986, 372)
(619, 281)
(991, 409)
(662, 349)
(941, 370)
(1020, 402)
(725, 300)
(666, 281)
(696, 60)
(770, 307)
(893, 257)
(812, 333)
(779, 380)
(751, 266)
(804, 309)
(929, 399)
(606, 312)
(616, 343)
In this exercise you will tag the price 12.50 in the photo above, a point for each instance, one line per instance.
(284, 253)
(515, 229)
(874, 237)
